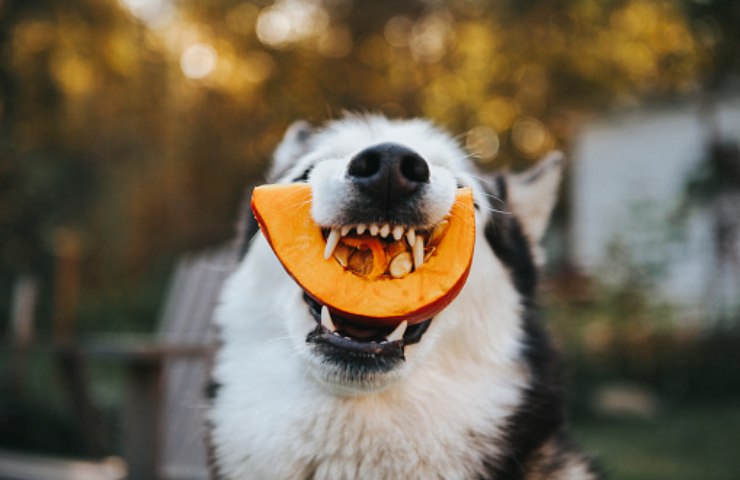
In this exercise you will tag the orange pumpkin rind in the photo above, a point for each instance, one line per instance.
(283, 212)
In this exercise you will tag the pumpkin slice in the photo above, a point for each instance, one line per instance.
(372, 297)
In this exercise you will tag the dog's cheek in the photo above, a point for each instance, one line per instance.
(439, 195)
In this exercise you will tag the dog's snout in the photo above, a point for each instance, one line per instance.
(388, 172)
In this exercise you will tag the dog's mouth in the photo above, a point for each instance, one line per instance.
(382, 250)
(372, 251)
(342, 340)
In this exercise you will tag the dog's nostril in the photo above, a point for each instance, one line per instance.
(365, 164)
(414, 168)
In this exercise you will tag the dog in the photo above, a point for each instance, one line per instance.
(473, 393)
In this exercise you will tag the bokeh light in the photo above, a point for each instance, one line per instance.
(429, 38)
(483, 143)
(397, 31)
(530, 137)
(198, 61)
(155, 13)
(335, 42)
(257, 66)
(291, 21)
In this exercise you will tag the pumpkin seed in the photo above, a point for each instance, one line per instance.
(439, 231)
(342, 253)
(361, 262)
(401, 265)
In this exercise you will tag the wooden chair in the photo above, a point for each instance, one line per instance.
(188, 321)
(166, 376)
(164, 425)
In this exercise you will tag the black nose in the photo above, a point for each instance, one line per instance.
(388, 172)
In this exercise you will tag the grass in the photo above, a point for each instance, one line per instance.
(681, 443)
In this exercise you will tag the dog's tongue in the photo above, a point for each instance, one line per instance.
(377, 299)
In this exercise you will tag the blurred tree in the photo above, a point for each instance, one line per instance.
(138, 122)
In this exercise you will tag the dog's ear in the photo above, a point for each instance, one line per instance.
(532, 195)
(294, 144)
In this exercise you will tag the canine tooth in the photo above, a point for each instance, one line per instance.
(346, 229)
(385, 230)
(361, 228)
(411, 236)
(331, 242)
(326, 320)
(397, 334)
(398, 232)
(374, 229)
(418, 250)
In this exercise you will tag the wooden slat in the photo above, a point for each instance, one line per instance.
(187, 320)
(19, 466)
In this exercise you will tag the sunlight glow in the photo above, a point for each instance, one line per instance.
(155, 13)
(530, 136)
(483, 143)
(291, 21)
(198, 61)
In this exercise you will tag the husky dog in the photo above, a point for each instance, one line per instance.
(473, 393)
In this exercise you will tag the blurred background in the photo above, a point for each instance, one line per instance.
(130, 129)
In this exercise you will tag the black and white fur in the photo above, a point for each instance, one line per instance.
(477, 397)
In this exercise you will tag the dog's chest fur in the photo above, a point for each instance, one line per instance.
(440, 422)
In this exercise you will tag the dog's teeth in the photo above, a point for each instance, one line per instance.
(397, 232)
(418, 251)
(411, 236)
(361, 228)
(385, 230)
(331, 242)
(397, 334)
(326, 320)
(346, 229)
(374, 229)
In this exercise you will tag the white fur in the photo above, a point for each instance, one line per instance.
(280, 414)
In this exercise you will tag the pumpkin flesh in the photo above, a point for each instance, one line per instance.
(378, 299)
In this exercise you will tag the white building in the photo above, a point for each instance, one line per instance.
(628, 180)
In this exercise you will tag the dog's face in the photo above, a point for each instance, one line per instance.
(391, 179)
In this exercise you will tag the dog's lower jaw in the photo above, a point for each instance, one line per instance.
(345, 383)
(341, 374)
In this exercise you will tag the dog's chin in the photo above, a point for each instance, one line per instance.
(349, 359)
(344, 381)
